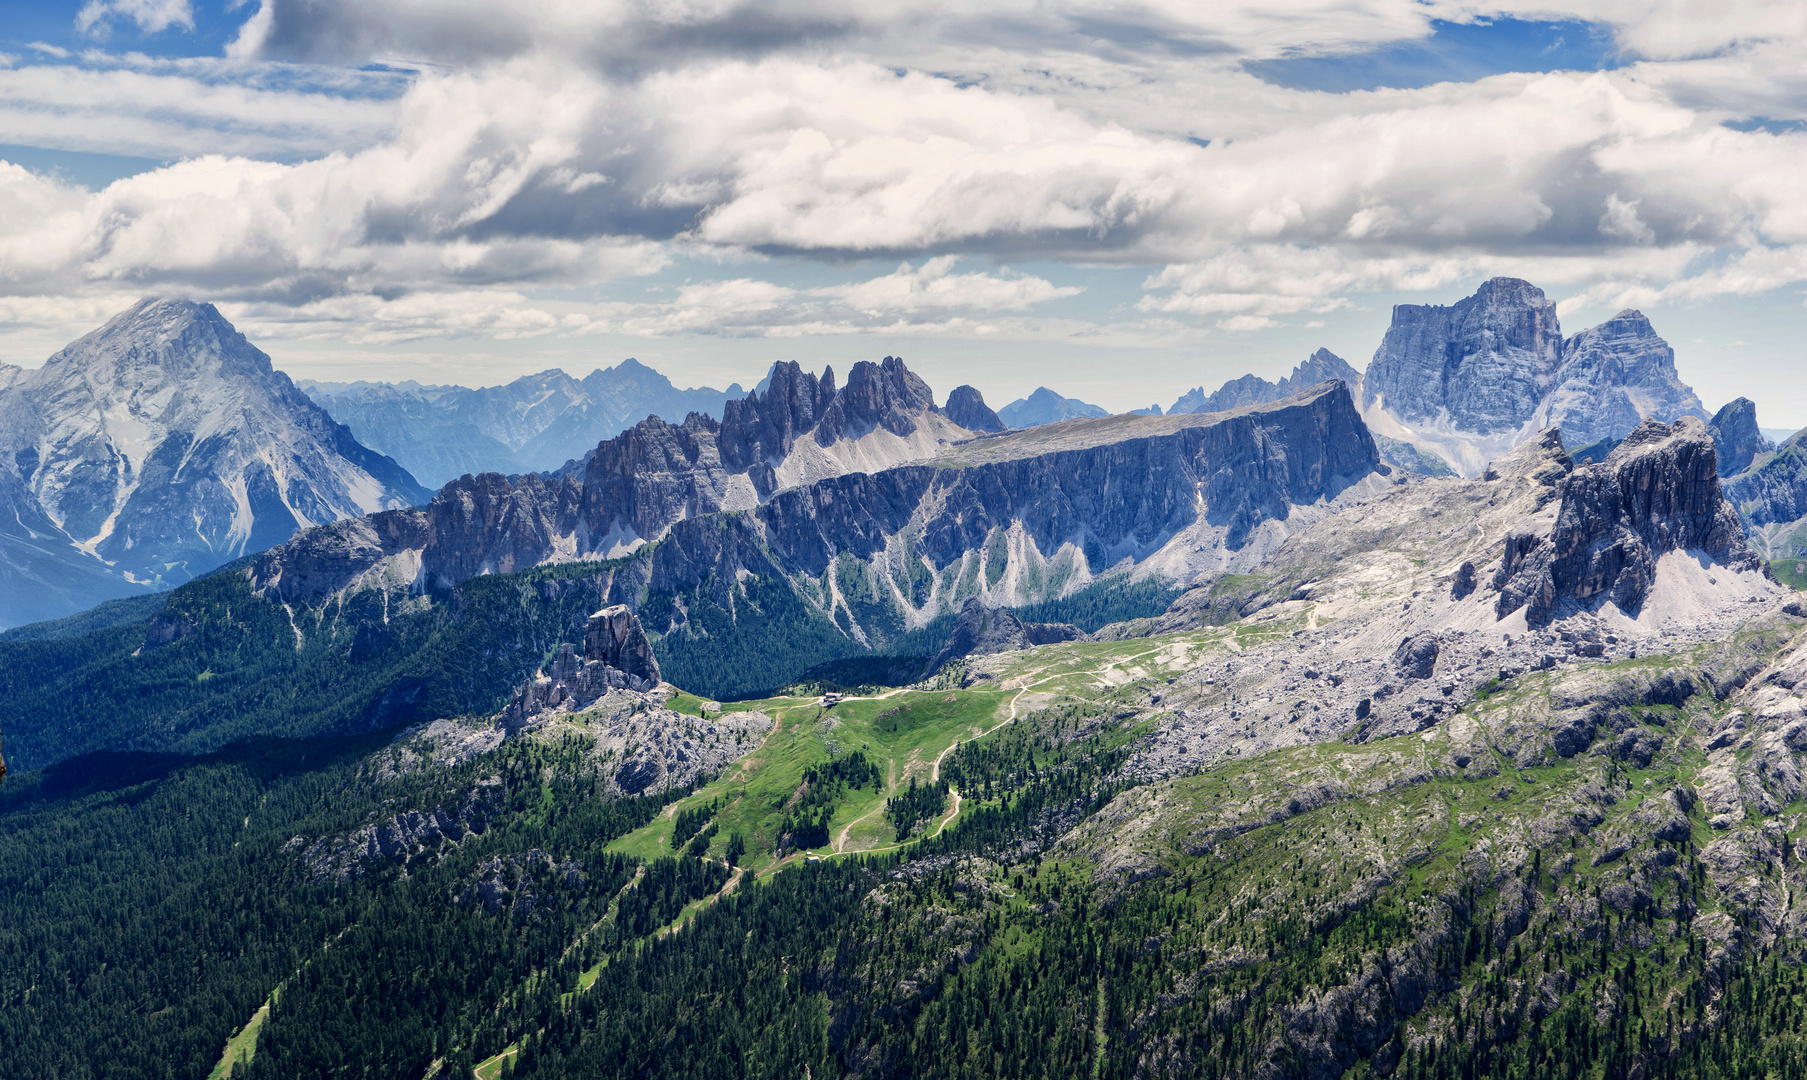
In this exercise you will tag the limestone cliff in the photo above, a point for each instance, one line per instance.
(1658, 492)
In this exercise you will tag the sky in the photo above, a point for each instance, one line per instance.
(1120, 200)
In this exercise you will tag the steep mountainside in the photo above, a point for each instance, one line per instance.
(1771, 496)
(157, 448)
(866, 556)
(535, 423)
(1612, 377)
(1478, 377)
(1736, 437)
(1046, 407)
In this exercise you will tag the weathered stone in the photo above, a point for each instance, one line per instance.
(1736, 438)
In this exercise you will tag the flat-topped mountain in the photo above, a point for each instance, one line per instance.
(158, 447)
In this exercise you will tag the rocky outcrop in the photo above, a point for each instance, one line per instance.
(157, 448)
(982, 631)
(1320, 366)
(1736, 438)
(966, 407)
(1656, 493)
(1046, 407)
(1612, 377)
(614, 638)
(617, 656)
(1481, 365)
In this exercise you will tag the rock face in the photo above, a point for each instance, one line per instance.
(1736, 438)
(633, 488)
(1612, 377)
(1046, 407)
(617, 656)
(966, 407)
(1771, 496)
(1656, 493)
(1481, 365)
(614, 637)
(982, 631)
(531, 424)
(1320, 366)
(1480, 376)
(1011, 519)
(157, 448)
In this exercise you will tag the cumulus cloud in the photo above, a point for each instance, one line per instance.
(550, 144)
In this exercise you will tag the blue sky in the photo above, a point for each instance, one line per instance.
(1121, 200)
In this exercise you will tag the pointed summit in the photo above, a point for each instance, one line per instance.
(160, 446)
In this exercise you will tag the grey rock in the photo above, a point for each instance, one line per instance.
(1771, 497)
(1486, 362)
(159, 447)
(614, 637)
(1657, 492)
(1416, 656)
(1614, 376)
(966, 407)
(1471, 380)
(1736, 437)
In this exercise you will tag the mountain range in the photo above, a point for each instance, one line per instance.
(535, 423)
(853, 734)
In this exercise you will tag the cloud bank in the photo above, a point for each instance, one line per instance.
(420, 169)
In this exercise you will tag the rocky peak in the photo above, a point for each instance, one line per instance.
(886, 395)
(1657, 492)
(1736, 437)
(616, 656)
(966, 407)
(1613, 376)
(762, 427)
(164, 444)
(1321, 366)
(181, 339)
(1482, 364)
(613, 636)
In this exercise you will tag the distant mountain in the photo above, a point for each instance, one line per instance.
(1046, 407)
(535, 423)
(157, 448)
(966, 407)
(1478, 377)
(1320, 366)
(634, 488)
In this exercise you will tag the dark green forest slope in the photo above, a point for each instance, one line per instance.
(151, 904)
(233, 664)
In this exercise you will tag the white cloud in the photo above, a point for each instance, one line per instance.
(550, 144)
(150, 16)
